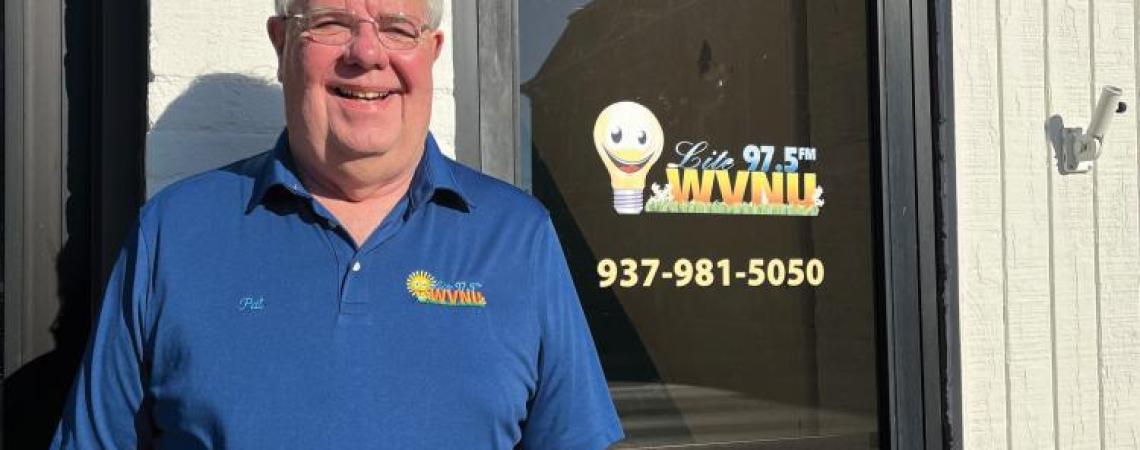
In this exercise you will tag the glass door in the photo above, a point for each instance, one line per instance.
(710, 169)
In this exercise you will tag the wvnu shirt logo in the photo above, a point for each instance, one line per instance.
(629, 140)
(426, 289)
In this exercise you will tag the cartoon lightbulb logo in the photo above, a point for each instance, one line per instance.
(629, 140)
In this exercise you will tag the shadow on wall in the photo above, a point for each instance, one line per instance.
(219, 118)
(1055, 131)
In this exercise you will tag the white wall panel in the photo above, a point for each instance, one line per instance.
(214, 97)
(1118, 248)
(1069, 75)
(978, 122)
(1025, 196)
(1049, 263)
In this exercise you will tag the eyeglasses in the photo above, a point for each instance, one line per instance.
(338, 27)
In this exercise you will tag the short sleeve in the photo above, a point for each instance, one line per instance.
(571, 407)
(104, 407)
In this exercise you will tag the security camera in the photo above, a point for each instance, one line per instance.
(1083, 147)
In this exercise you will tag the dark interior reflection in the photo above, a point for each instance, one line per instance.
(785, 367)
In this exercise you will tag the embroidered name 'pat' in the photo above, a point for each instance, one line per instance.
(426, 289)
(251, 304)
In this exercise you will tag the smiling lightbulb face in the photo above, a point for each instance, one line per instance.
(629, 140)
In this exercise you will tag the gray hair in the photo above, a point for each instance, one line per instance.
(434, 10)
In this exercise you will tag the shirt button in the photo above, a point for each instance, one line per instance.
(356, 266)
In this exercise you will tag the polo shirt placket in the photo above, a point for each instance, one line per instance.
(359, 267)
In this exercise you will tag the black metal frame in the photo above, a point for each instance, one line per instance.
(922, 358)
(75, 112)
(912, 80)
(34, 135)
(122, 74)
(946, 217)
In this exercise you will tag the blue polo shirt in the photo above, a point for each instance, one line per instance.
(240, 315)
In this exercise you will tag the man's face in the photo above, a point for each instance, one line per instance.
(359, 99)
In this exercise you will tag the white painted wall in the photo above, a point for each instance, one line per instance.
(214, 97)
(1049, 264)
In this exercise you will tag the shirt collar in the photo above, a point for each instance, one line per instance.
(434, 179)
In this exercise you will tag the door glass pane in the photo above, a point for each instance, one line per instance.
(708, 165)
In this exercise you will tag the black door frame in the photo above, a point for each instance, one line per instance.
(912, 79)
(75, 136)
(74, 104)
(34, 137)
(922, 358)
(74, 143)
(941, 45)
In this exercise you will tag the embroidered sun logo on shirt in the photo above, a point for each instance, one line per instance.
(420, 283)
(426, 289)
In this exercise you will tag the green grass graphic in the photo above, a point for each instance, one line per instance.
(659, 205)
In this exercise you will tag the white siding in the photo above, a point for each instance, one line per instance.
(1025, 199)
(1069, 76)
(1049, 263)
(982, 289)
(214, 97)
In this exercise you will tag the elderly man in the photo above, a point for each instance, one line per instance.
(351, 288)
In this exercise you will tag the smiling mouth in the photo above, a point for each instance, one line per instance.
(629, 166)
(361, 95)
